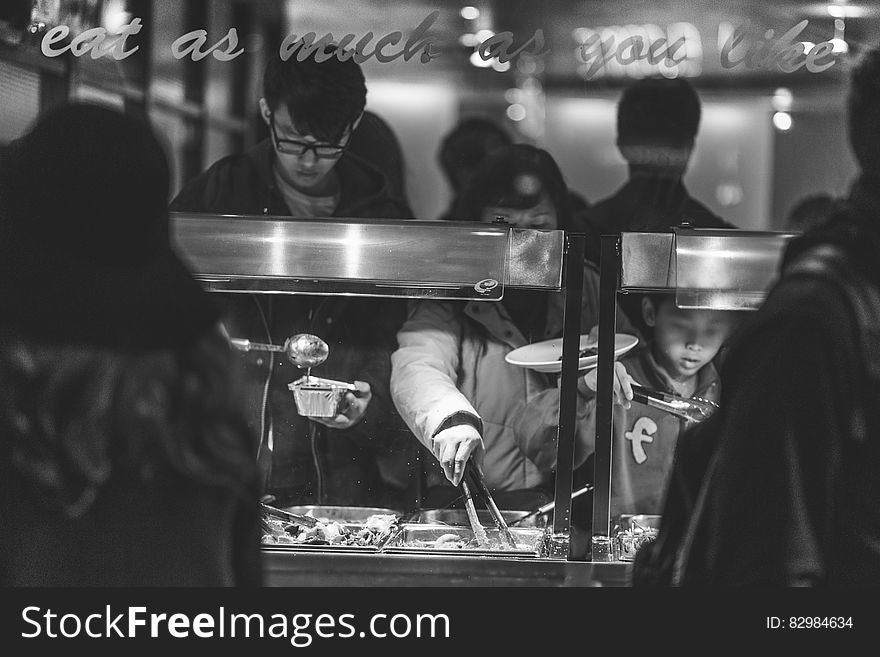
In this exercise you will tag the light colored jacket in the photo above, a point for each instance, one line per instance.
(450, 360)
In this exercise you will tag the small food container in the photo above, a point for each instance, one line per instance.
(632, 532)
(317, 397)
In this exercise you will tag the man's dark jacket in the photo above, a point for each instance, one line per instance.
(312, 464)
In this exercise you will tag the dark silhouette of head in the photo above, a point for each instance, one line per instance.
(810, 212)
(864, 111)
(16, 14)
(657, 122)
(466, 145)
(517, 176)
(85, 235)
(108, 176)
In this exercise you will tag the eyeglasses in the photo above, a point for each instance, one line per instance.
(297, 147)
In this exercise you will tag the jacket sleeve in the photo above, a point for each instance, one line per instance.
(377, 347)
(194, 196)
(218, 189)
(424, 369)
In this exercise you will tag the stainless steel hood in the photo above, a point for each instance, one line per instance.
(707, 268)
(446, 260)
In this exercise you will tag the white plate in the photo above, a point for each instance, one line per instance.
(544, 356)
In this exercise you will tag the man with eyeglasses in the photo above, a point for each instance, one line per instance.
(305, 169)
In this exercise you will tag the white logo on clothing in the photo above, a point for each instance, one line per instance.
(643, 432)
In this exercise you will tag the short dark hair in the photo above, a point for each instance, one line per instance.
(499, 182)
(658, 112)
(324, 98)
(864, 111)
(469, 142)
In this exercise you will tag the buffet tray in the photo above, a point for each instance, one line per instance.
(459, 517)
(325, 547)
(351, 518)
(412, 538)
(341, 514)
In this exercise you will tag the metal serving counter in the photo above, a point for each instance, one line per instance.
(411, 259)
(291, 568)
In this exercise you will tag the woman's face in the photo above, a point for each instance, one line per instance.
(542, 215)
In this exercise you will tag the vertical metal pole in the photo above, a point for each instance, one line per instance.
(574, 285)
(609, 281)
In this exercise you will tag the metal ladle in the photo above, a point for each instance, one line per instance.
(306, 350)
(303, 349)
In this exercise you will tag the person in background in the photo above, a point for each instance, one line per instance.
(449, 378)
(657, 124)
(463, 149)
(811, 211)
(306, 169)
(374, 140)
(15, 15)
(126, 459)
(676, 359)
(790, 493)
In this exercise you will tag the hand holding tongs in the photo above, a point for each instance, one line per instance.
(694, 409)
(473, 477)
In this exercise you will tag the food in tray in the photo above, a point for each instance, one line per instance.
(327, 532)
(456, 542)
(583, 353)
(628, 541)
(450, 541)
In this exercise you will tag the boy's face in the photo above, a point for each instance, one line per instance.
(685, 340)
(306, 171)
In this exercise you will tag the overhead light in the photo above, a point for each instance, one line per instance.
(839, 45)
(469, 13)
(114, 16)
(499, 66)
(482, 35)
(581, 34)
(468, 40)
(478, 61)
(516, 112)
(513, 95)
(782, 121)
(782, 99)
(846, 11)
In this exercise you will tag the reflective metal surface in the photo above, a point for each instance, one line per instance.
(729, 269)
(459, 517)
(707, 268)
(429, 539)
(446, 260)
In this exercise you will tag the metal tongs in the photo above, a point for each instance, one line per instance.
(306, 521)
(547, 508)
(473, 477)
(694, 409)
